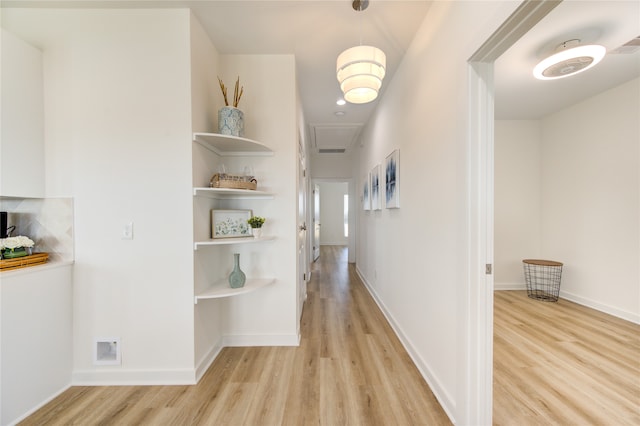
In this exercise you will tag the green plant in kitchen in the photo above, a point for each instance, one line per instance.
(13, 247)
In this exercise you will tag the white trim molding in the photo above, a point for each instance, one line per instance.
(122, 377)
(443, 397)
(509, 286)
(475, 365)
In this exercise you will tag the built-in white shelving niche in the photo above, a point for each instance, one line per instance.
(229, 146)
(228, 241)
(226, 193)
(221, 289)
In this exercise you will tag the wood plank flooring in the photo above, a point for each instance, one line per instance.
(350, 369)
(563, 364)
(554, 364)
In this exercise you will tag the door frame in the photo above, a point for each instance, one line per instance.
(315, 208)
(476, 395)
(351, 240)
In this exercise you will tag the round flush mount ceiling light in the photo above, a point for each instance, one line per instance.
(571, 59)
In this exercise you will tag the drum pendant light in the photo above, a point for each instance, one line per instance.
(361, 69)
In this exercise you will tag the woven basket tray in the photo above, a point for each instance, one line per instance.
(233, 182)
(23, 262)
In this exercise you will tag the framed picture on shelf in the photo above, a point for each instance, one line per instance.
(375, 188)
(392, 181)
(230, 223)
(366, 198)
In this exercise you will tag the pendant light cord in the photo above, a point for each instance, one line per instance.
(360, 23)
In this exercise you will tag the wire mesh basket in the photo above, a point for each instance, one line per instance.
(543, 279)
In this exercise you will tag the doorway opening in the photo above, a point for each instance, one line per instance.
(333, 221)
(478, 326)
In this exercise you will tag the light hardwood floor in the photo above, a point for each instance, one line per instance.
(563, 364)
(554, 364)
(350, 369)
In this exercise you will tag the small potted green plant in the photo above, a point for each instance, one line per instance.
(256, 223)
(12, 247)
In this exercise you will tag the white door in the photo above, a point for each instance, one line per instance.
(302, 230)
(316, 222)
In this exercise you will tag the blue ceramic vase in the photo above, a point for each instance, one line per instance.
(237, 277)
(230, 121)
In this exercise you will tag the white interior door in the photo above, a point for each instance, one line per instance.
(302, 230)
(316, 222)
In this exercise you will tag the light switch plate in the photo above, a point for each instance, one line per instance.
(127, 231)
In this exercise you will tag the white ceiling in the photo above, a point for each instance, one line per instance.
(317, 31)
(518, 95)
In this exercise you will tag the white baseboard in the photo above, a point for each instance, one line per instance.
(438, 390)
(123, 377)
(187, 376)
(261, 340)
(205, 362)
(619, 313)
(509, 286)
(39, 406)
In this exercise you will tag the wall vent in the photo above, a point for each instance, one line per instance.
(632, 46)
(106, 351)
(331, 150)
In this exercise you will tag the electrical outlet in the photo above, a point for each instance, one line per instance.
(127, 231)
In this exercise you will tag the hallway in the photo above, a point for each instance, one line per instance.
(350, 368)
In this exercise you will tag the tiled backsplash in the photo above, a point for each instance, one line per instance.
(47, 221)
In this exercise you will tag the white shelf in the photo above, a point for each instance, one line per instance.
(226, 193)
(222, 289)
(229, 146)
(227, 241)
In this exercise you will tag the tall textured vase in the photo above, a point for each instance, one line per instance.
(230, 121)
(237, 277)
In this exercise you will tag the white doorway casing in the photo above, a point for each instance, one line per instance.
(477, 329)
(316, 222)
(351, 240)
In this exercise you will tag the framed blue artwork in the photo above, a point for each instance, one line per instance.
(392, 180)
(366, 196)
(376, 198)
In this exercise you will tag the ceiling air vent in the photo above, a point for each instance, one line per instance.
(632, 46)
(331, 150)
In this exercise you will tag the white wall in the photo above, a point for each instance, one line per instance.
(333, 165)
(518, 203)
(332, 213)
(269, 103)
(205, 63)
(120, 88)
(118, 140)
(567, 189)
(36, 338)
(591, 193)
(416, 258)
(22, 121)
